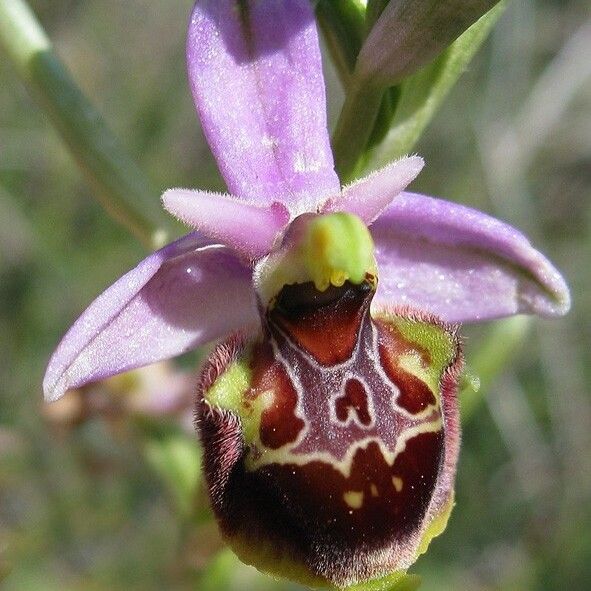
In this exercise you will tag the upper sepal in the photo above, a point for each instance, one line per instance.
(256, 74)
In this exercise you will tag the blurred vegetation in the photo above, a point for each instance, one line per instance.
(85, 503)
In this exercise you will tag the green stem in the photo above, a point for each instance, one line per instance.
(342, 25)
(385, 116)
(500, 345)
(355, 125)
(117, 181)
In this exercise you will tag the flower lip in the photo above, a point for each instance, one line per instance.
(333, 436)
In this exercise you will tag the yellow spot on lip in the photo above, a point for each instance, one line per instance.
(338, 278)
(354, 499)
(374, 490)
(397, 482)
(266, 399)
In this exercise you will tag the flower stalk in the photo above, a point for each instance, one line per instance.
(354, 126)
(117, 181)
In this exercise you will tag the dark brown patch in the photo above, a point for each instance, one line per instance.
(415, 395)
(302, 513)
(399, 344)
(353, 401)
(314, 495)
(325, 324)
(279, 423)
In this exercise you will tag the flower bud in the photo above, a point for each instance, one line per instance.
(409, 33)
(331, 437)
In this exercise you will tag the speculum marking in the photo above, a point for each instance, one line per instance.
(353, 402)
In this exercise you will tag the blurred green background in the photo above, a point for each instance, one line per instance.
(95, 496)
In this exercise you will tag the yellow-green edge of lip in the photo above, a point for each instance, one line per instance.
(266, 559)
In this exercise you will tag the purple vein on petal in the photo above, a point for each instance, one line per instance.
(256, 74)
(186, 294)
(248, 229)
(461, 264)
(369, 196)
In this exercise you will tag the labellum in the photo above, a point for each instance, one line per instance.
(330, 438)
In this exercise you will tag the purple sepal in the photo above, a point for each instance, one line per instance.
(461, 264)
(255, 71)
(188, 293)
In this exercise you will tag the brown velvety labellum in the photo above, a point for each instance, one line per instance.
(343, 468)
(415, 395)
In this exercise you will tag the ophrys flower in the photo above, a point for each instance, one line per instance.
(329, 418)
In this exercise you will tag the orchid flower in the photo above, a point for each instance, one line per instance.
(328, 413)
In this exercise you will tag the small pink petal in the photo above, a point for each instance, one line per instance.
(461, 264)
(256, 74)
(188, 293)
(369, 196)
(248, 229)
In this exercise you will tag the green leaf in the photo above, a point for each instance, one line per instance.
(503, 341)
(342, 25)
(176, 458)
(373, 12)
(421, 94)
(117, 181)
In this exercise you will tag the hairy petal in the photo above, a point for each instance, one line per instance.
(369, 196)
(248, 229)
(256, 75)
(461, 264)
(179, 297)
